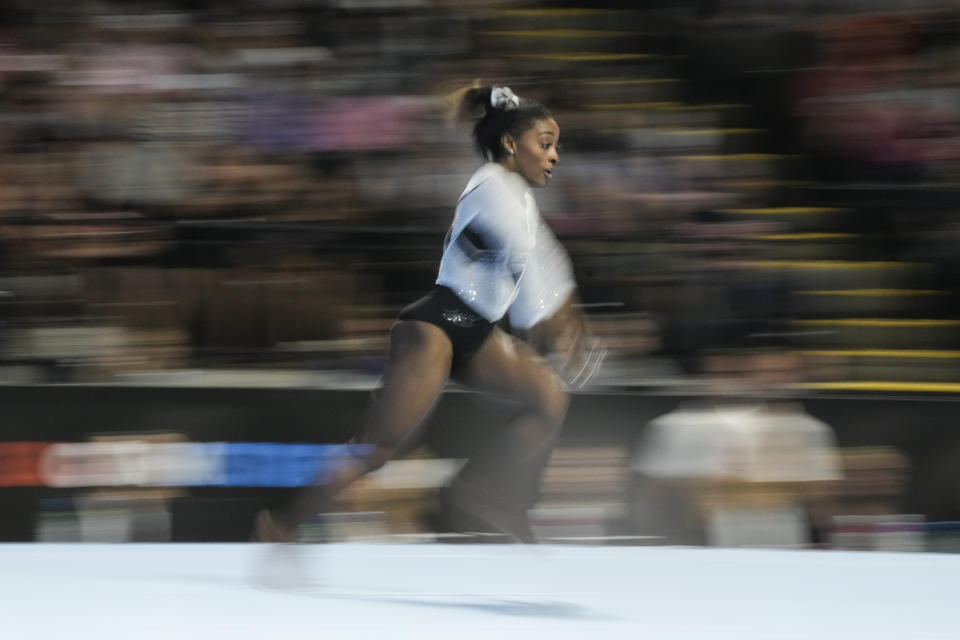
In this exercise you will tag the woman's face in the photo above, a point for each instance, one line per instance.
(535, 152)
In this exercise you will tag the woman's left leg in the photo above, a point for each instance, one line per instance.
(418, 365)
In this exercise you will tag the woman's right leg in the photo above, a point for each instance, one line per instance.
(501, 480)
(418, 366)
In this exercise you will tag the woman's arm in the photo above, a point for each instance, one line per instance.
(567, 341)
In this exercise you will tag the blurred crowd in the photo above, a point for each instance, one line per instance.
(239, 184)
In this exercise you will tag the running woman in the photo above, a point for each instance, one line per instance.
(500, 262)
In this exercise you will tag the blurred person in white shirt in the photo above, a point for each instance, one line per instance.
(743, 466)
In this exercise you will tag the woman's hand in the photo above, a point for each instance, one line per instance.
(567, 342)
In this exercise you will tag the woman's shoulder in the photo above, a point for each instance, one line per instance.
(493, 179)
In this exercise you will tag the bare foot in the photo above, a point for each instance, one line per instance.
(266, 529)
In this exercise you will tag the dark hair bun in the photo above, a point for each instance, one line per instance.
(511, 117)
(469, 104)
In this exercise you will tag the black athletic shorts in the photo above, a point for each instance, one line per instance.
(466, 329)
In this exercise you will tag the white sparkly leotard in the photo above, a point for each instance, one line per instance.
(500, 257)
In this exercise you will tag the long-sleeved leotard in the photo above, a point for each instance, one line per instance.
(500, 256)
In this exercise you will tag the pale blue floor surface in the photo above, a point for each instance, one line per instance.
(139, 592)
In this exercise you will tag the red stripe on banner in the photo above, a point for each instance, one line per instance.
(20, 463)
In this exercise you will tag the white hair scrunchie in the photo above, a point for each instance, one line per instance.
(504, 98)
